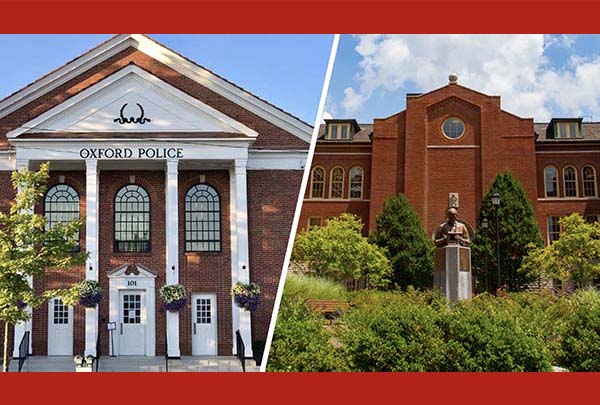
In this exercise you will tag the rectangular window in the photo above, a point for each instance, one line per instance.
(333, 131)
(591, 218)
(553, 229)
(344, 130)
(314, 221)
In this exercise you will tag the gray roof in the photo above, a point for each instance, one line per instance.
(590, 132)
(362, 136)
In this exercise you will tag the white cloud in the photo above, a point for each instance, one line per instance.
(512, 66)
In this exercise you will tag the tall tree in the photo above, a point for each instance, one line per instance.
(410, 250)
(27, 248)
(339, 252)
(574, 256)
(518, 229)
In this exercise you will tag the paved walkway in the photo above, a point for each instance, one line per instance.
(138, 364)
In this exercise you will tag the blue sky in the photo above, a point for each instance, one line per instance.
(286, 70)
(539, 76)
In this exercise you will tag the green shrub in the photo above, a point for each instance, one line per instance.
(300, 341)
(390, 332)
(302, 287)
(581, 338)
(489, 334)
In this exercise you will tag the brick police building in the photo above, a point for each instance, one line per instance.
(453, 140)
(182, 177)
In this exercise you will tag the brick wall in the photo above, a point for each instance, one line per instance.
(206, 272)
(272, 197)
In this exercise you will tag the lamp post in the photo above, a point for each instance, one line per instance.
(496, 202)
(485, 225)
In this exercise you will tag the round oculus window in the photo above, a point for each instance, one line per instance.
(453, 127)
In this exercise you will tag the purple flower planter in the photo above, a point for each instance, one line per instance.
(90, 301)
(246, 302)
(174, 306)
(21, 304)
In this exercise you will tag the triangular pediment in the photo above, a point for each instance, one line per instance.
(131, 271)
(132, 101)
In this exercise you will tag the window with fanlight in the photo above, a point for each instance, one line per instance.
(551, 181)
(132, 219)
(356, 182)
(317, 183)
(570, 181)
(61, 205)
(202, 219)
(589, 181)
(336, 186)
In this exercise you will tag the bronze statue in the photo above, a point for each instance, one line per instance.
(452, 231)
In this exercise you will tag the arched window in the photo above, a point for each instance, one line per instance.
(570, 181)
(202, 219)
(61, 205)
(589, 181)
(336, 185)
(132, 219)
(356, 182)
(317, 183)
(551, 181)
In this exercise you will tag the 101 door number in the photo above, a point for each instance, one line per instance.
(131, 283)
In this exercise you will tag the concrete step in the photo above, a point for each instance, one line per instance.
(138, 364)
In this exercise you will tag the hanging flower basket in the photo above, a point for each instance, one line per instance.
(173, 297)
(90, 293)
(246, 296)
(21, 304)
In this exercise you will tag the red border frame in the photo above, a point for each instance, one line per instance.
(298, 16)
(309, 16)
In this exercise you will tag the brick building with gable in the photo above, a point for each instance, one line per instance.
(183, 178)
(453, 140)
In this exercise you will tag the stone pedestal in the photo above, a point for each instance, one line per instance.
(452, 272)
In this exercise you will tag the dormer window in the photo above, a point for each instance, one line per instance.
(341, 130)
(567, 129)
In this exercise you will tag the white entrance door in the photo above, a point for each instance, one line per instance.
(204, 324)
(60, 328)
(132, 323)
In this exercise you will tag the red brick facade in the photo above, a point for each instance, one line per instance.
(410, 154)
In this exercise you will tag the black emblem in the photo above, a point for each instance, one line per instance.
(132, 120)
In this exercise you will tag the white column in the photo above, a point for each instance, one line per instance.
(91, 246)
(21, 327)
(172, 235)
(242, 272)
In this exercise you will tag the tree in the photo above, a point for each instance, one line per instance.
(518, 230)
(338, 251)
(410, 250)
(574, 256)
(27, 248)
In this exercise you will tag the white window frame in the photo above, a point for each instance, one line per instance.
(312, 171)
(595, 180)
(546, 183)
(331, 182)
(565, 181)
(362, 183)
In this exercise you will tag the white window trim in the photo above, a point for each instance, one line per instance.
(595, 181)
(331, 182)
(312, 181)
(309, 226)
(548, 227)
(557, 182)
(565, 182)
(362, 183)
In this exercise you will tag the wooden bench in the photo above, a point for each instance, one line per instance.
(329, 308)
